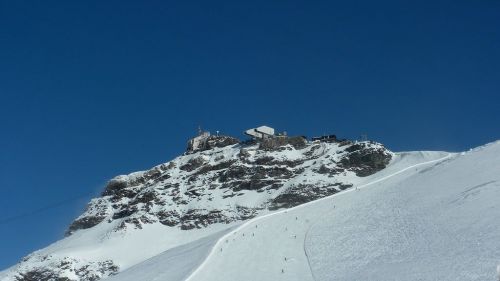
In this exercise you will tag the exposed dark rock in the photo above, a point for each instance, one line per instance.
(144, 197)
(164, 177)
(255, 173)
(193, 193)
(275, 185)
(41, 274)
(345, 142)
(114, 186)
(106, 268)
(252, 184)
(197, 218)
(234, 172)
(170, 218)
(266, 160)
(297, 142)
(135, 222)
(84, 273)
(343, 186)
(150, 175)
(365, 160)
(220, 141)
(311, 150)
(124, 193)
(192, 164)
(246, 213)
(276, 143)
(219, 166)
(169, 186)
(126, 212)
(303, 193)
(84, 223)
(243, 154)
(270, 161)
(323, 169)
(212, 142)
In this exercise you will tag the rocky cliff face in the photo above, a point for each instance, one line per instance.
(225, 182)
(189, 191)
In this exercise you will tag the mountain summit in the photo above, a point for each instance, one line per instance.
(170, 221)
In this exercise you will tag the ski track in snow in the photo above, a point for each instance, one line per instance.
(305, 252)
(257, 219)
(176, 262)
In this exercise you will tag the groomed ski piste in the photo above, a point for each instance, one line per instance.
(427, 216)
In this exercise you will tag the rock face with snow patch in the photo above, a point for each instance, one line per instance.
(278, 176)
(224, 182)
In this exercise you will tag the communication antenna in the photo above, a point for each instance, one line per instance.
(217, 133)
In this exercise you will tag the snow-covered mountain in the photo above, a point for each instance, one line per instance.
(195, 195)
(287, 210)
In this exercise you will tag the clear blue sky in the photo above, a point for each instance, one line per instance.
(93, 89)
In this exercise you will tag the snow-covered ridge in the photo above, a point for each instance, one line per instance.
(231, 183)
(433, 220)
(425, 216)
(249, 225)
(258, 249)
(193, 196)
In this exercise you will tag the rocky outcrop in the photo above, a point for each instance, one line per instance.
(212, 142)
(280, 143)
(365, 160)
(41, 274)
(220, 141)
(56, 268)
(224, 182)
(157, 195)
(303, 193)
(193, 164)
(84, 223)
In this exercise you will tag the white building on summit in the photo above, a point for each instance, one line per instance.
(262, 132)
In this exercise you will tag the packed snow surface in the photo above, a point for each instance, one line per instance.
(428, 216)
(145, 214)
(175, 264)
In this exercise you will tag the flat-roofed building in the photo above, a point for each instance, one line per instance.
(262, 132)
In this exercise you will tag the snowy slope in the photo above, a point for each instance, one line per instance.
(442, 223)
(173, 264)
(436, 221)
(272, 239)
(426, 216)
(266, 241)
(194, 197)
